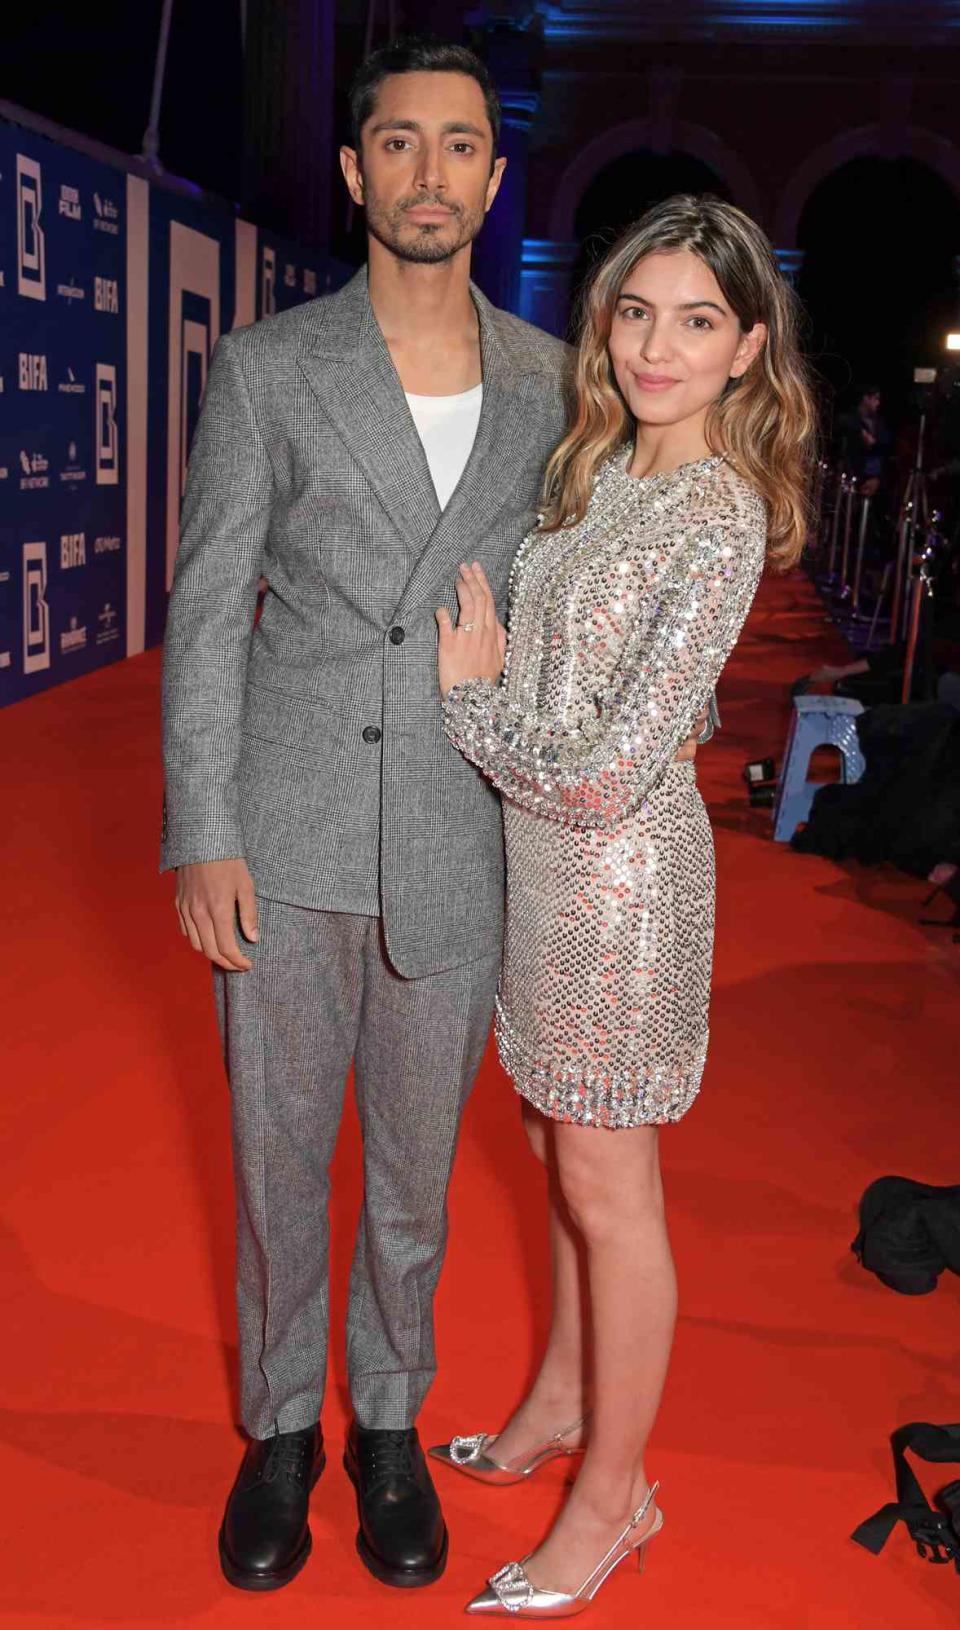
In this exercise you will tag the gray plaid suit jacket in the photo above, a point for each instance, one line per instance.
(312, 745)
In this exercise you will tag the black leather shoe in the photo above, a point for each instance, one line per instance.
(265, 1539)
(403, 1537)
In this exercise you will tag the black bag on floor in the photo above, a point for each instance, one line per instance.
(936, 1534)
(909, 1232)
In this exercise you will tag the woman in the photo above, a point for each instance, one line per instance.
(684, 468)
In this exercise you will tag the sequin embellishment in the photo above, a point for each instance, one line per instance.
(619, 628)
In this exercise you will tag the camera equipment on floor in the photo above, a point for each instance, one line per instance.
(935, 1532)
(760, 776)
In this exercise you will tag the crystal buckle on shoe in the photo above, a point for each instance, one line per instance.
(463, 1450)
(512, 1588)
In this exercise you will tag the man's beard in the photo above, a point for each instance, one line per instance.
(425, 245)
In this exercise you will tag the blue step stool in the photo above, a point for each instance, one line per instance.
(817, 721)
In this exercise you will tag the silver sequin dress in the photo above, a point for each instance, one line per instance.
(619, 628)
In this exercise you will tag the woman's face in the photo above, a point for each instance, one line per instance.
(675, 341)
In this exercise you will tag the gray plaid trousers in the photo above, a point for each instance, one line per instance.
(322, 991)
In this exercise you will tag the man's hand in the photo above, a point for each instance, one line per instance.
(210, 894)
(689, 749)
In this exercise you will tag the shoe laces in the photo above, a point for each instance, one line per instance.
(288, 1457)
(387, 1455)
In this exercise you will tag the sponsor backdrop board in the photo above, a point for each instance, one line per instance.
(113, 293)
(62, 297)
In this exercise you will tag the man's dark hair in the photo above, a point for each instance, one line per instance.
(417, 54)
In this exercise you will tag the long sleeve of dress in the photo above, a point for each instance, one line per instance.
(597, 769)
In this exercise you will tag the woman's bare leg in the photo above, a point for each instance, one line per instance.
(559, 1394)
(611, 1183)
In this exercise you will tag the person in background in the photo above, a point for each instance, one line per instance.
(864, 441)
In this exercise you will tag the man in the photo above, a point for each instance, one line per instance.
(337, 860)
(864, 441)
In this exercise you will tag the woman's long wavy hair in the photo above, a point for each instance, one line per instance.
(764, 423)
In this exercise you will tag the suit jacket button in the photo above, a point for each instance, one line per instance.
(371, 733)
(397, 636)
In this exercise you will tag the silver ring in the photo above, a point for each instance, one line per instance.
(467, 627)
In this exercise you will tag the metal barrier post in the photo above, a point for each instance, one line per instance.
(901, 570)
(861, 543)
(847, 529)
(835, 524)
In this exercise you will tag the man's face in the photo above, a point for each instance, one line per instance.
(871, 402)
(425, 173)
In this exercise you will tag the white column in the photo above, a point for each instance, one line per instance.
(245, 303)
(138, 284)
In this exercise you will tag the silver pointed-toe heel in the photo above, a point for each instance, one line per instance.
(469, 1455)
(510, 1591)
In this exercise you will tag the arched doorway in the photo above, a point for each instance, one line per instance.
(622, 190)
(880, 240)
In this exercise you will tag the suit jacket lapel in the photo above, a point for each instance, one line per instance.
(511, 372)
(346, 361)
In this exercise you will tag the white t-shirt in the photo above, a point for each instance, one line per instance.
(447, 427)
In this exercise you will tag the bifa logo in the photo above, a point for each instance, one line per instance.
(106, 436)
(73, 550)
(31, 248)
(107, 215)
(70, 203)
(33, 372)
(106, 295)
(268, 282)
(36, 612)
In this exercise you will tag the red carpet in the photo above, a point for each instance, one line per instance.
(833, 1061)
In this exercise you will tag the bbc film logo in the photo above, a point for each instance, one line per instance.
(69, 204)
(31, 244)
